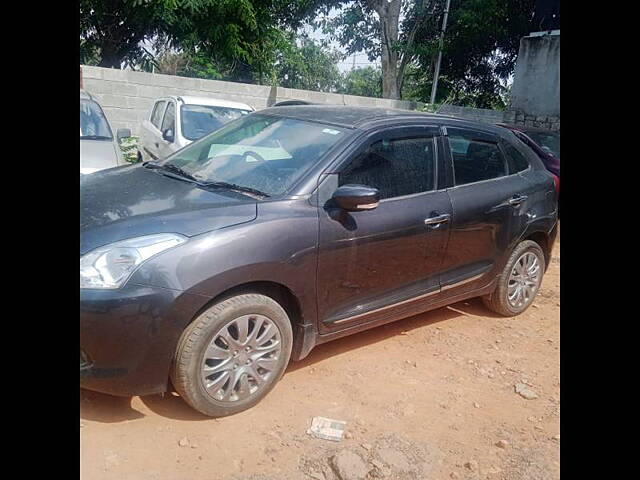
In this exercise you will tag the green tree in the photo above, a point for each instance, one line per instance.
(375, 26)
(308, 66)
(242, 35)
(479, 55)
(363, 81)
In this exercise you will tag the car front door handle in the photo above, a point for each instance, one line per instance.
(517, 200)
(437, 220)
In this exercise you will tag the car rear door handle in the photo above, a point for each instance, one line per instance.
(517, 200)
(437, 220)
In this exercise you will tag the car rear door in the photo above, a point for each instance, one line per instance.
(372, 261)
(489, 204)
(150, 134)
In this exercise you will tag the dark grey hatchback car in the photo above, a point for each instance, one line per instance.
(294, 226)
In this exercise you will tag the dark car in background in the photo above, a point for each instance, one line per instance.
(294, 226)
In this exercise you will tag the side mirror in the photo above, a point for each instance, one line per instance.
(355, 198)
(122, 133)
(168, 135)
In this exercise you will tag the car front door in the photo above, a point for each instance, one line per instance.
(370, 262)
(150, 132)
(489, 210)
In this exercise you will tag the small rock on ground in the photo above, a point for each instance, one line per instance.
(184, 442)
(525, 392)
(349, 466)
(396, 460)
(472, 465)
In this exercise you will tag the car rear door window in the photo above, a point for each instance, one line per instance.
(396, 167)
(517, 161)
(156, 116)
(475, 159)
(169, 121)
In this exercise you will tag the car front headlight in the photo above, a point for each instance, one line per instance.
(110, 266)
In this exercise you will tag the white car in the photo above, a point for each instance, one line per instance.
(176, 121)
(98, 148)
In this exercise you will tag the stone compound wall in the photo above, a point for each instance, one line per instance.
(478, 114)
(127, 96)
(518, 117)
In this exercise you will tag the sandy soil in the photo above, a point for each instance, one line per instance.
(428, 397)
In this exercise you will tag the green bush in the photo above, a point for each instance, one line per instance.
(129, 149)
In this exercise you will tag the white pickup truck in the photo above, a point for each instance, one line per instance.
(176, 121)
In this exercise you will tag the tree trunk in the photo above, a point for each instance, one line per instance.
(389, 13)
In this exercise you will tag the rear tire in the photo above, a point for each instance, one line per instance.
(224, 362)
(501, 300)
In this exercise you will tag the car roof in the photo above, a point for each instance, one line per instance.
(366, 117)
(213, 102)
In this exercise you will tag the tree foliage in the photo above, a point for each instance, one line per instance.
(363, 81)
(308, 66)
(232, 32)
(480, 50)
(254, 41)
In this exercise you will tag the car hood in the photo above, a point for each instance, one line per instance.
(130, 201)
(97, 155)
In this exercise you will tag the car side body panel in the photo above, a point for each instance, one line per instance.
(283, 246)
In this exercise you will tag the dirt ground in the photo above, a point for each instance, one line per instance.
(429, 397)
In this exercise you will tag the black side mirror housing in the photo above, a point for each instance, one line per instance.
(355, 198)
(168, 135)
(122, 133)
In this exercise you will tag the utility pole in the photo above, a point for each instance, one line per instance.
(437, 70)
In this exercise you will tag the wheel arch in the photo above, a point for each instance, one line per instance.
(304, 330)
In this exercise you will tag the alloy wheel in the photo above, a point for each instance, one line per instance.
(241, 358)
(524, 280)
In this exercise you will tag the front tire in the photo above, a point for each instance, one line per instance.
(232, 355)
(519, 281)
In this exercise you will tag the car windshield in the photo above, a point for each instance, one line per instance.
(93, 123)
(261, 152)
(548, 141)
(200, 120)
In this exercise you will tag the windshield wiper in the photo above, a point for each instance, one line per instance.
(173, 169)
(235, 187)
(95, 137)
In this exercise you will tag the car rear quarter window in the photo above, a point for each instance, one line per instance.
(475, 159)
(396, 167)
(517, 161)
(157, 113)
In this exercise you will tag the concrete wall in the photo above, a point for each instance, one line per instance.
(536, 84)
(127, 96)
(478, 114)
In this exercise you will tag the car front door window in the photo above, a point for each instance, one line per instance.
(396, 167)
(158, 110)
(169, 121)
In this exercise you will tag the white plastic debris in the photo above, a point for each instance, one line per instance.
(327, 429)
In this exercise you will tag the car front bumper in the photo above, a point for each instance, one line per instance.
(128, 337)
